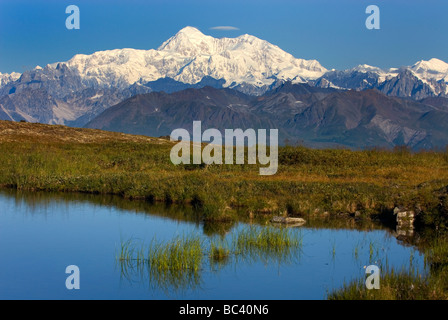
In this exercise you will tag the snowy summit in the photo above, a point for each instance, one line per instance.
(190, 55)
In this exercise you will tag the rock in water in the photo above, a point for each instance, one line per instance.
(288, 220)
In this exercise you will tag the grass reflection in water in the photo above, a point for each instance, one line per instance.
(179, 263)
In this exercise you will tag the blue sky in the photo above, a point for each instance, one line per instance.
(32, 32)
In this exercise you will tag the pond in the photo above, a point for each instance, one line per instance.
(43, 233)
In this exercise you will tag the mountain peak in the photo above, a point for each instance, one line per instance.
(432, 64)
(434, 69)
(366, 68)
(437, 62)
(190, 31)
(185, 41)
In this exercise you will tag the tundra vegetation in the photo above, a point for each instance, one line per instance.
(324, 183)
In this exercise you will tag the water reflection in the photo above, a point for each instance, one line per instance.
(171, 281)
(42, 233)
(39, 202)
(178, 264)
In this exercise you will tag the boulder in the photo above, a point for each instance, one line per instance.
(405, 218)
(288, 220)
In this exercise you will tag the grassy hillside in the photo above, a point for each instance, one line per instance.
(58, 158)
(309, 183)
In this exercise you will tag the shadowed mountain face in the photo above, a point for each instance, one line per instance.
(406, 84)
(436, 102)
(313, 116)
(75, 109)
(158, 113)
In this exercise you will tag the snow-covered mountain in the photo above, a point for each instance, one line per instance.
(81, 88)
(188, 59)
(421, 80)
(189, 56)
(433, 69)
(6, 78)
(360, 78)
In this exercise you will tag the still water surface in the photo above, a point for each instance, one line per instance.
(42, 233)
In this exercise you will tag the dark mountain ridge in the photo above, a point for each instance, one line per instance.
(317, 117)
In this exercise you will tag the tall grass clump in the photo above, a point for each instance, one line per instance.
(131, 252)
(437, 255)
(406, 284)
(178, 254)
(178, 263)
(174, 264)
(219, 252)
(266, 243)
(394, 285)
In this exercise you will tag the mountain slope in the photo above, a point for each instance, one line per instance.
(158, 113)
(5, 78)
(421, 80)
(188, 59)
(189, 56)
(407, 84)
(76, 91)
(313, 116)
(434, 69)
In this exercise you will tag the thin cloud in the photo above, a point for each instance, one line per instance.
(224, 28)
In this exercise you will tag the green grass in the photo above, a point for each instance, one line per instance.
(175, 264)
(267, 238)
(219, 252)
(144, 172)
(437, 254)
(406, 284)
(267, 243)
(178, 263)
(309, 182)
(394, 285)
(179, 254)
(185, 253)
